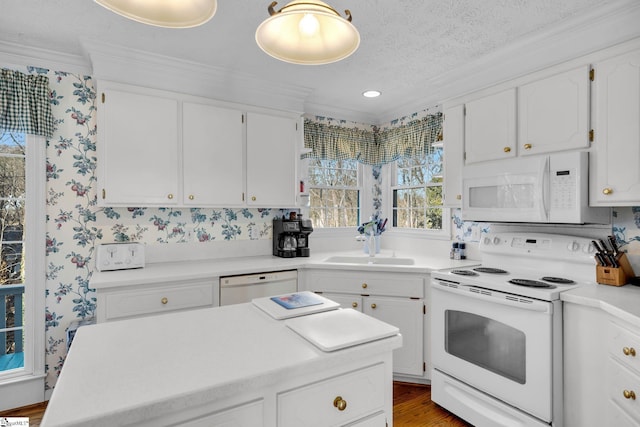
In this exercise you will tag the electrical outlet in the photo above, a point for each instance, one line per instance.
(475, 233)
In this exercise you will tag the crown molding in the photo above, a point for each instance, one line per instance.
(125, 65)
(17, 55)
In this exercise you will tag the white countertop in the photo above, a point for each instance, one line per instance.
(163, 364)
(194, 270)
(620, 301)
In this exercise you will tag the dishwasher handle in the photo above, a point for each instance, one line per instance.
(250, 279)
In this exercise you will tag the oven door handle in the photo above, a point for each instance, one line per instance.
(494, 297)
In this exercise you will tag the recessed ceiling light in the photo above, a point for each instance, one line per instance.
(371, 93)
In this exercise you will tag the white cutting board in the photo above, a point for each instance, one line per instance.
(278, 312)
(337, 329)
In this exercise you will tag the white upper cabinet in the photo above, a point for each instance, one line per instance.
(453, 136)
(213, 155)
(272, 143)
(615, 157)
(553, 113)
(137, 148)
(490, 127)
(159, 148)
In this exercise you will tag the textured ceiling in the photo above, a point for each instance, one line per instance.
(406, 44)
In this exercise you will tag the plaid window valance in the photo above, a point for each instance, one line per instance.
(332, 142)
(25, 103)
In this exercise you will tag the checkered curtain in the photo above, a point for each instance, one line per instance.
(330, 142)
(25, 103)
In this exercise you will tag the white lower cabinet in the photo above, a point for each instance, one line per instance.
(394, 298)
(337, 401)
(601, 369)
(141, 300)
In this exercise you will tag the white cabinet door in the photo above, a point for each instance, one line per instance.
(553, 113)
(615, 175)
(408, 316)
(490, 127)
(138, 149)
(271, 160)
(453, 133)
(213, 155)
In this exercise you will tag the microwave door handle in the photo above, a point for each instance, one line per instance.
(543, 180)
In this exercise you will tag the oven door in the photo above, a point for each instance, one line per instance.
(498, 343)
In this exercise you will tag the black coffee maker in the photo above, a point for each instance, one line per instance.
(291, 237)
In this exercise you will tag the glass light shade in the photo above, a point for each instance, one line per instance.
(307, 32)
(164, 13)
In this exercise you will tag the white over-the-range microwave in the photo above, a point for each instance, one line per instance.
(550, 188)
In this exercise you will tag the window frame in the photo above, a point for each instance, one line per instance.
(443, 234)
(27, 385)
(362, 200)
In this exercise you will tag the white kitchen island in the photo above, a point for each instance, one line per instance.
(232, 365)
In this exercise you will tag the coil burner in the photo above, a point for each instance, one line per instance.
(490, 270)
(464, 272)
(558, 280)
(530, 283)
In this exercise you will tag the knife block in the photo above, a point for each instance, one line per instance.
(615, 276)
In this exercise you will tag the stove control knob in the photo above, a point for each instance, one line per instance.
(487, 241)
(588, 248)
(574, 246)
(496, 240)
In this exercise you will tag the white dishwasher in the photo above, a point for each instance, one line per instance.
(244, 288)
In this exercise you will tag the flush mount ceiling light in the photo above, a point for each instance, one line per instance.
(307, 32)
(164, 13)
(371, 93)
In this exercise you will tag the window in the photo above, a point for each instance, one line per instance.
(417, 192)
(22, 267)
(12, 221)
(334, 192)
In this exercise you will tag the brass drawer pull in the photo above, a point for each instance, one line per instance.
(170, 196)
(629, 394)
(507, 149)
(354, 304)
(340, 403)
(364, 286)
(629, 351)
(607, 191)
(527, 146)
(373, 306)
(191, 197)
(164, 300)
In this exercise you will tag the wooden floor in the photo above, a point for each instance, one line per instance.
(412, 407)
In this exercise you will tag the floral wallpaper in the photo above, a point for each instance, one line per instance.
(75, 224)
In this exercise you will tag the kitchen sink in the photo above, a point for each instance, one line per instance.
(367, 260)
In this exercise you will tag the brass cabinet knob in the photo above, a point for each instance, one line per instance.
(340, 403)
(191, 197)
(373, 306)
(527, 146)
(253, 198)
(629, 394)
(507, 149)
(459, 197)
(164, 300)
(364, 286)
(170, 196)
(629, 351)
(354, 304)
(607, 191)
